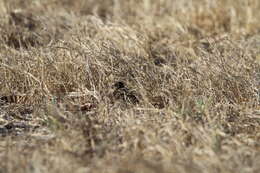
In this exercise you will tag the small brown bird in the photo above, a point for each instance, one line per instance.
(121, 92)
(159, 61)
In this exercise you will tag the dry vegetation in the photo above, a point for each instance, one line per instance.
(137, 86)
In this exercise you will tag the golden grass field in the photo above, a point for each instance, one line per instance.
(137, 86)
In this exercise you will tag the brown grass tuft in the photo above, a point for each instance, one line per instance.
(129, 86)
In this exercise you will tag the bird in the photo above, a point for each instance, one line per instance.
(121, 92)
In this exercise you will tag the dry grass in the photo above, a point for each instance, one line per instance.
(130, 86)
